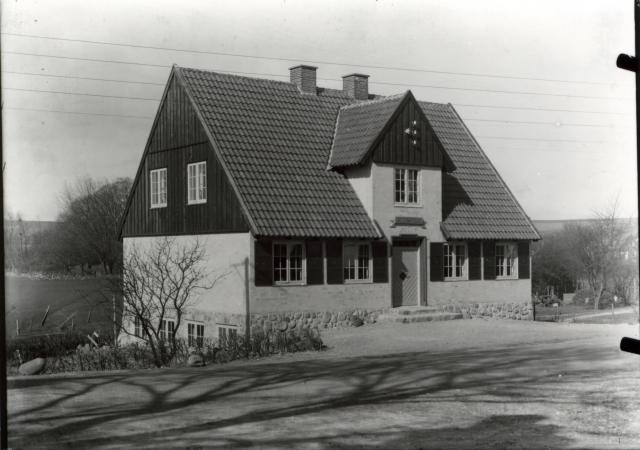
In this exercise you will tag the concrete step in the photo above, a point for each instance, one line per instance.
(410, 310)
(421, 317)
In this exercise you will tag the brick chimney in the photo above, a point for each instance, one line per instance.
(356, 85)
(304, 77)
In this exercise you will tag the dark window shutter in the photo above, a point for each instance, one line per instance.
(523, 260)
(380, 262)
(437, 273)
(334, 261)
(315, 271)
(489, 252)
(475, 262)
(263, 262)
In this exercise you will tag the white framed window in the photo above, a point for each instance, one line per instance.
(195, 334)
(506, 260)
(158, 187)
(197, 183)
(137, 327)
(289, 263)
(455, 260)
(227, 333)
(356, 257)
(167, 328)
(406, 186)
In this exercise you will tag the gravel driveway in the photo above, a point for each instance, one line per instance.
(462, 384)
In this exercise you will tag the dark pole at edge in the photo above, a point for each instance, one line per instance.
(3, 324)
(630, 63)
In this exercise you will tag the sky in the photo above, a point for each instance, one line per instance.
(535, 82)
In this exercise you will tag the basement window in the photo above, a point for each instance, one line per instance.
(227, 334)
(288, 263)
(195, 335)
(506, 260)
(455, 261)
(166, 329)
(406, 186)
(158, 184)
(197, 183)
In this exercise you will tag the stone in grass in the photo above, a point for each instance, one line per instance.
(195, 360)
(33, 367)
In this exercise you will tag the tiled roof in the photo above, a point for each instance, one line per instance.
(358, 126)
(275, 144)
(477, 204)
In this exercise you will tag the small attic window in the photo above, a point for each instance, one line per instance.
(197, 183)
(158, 185)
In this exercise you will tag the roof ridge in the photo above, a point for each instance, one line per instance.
(374, 101)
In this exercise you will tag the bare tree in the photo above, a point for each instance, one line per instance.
(598, 247)
(91, 215)
(158, 283)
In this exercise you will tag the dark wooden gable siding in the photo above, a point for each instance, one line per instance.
(178, 139)
(396, 147)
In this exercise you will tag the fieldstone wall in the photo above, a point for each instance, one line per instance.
(514, 311)
(304, 320)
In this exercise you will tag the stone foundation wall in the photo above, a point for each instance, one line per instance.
(514, 311)
(301, 320)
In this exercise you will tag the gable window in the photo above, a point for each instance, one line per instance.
(166, 329)
(506, 260)
(357, 261)
(195, 334)
(158, 183)
(406, 186)
(288, 263)
(455, 260)
(197, 183)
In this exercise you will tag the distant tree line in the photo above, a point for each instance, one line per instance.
(84, 236)
(598, 257)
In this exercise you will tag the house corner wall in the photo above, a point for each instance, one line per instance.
(225, 258)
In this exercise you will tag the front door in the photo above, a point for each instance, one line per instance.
(405, 282)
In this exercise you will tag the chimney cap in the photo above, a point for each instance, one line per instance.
(303, 66)
(361, 75)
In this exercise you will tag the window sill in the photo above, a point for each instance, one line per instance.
(367, 281)
(289, 283)
(510, 277)
(197, 202)
(158, 206)
(407, 205)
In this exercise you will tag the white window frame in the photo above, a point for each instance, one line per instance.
(514, 266)
(164, 329)
(137, 327)
(160, 184)
(405, 187)
(287, 281)
(353, 247)
(454, 255)
(227, 331)
(195, 334)
(198, 194)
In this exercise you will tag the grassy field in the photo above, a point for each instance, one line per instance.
(83, 302)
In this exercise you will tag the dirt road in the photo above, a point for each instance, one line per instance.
(468, 384)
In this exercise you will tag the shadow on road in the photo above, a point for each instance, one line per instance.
(254, 394)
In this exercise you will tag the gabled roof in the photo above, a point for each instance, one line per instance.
(477, 204)
(359, 125)
(274, 143)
